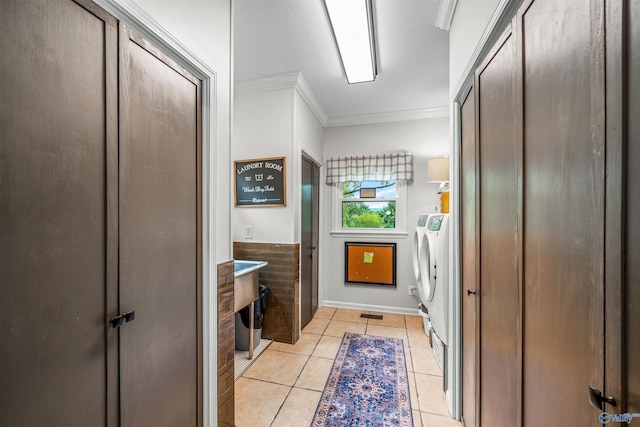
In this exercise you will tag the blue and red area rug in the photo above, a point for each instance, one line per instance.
(367, 386)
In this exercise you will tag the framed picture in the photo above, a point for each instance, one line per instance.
(370, 263)
(368, 193)
(260, 182)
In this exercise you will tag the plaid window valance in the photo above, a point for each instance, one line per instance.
(382, 167)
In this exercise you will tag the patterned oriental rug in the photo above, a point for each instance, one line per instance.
(367, 386)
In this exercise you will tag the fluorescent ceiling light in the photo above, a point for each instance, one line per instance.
(352, 24)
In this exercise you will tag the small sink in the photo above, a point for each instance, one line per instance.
(246, 282)
(241, 267)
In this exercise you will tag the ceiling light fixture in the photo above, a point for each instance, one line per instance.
(352, 25)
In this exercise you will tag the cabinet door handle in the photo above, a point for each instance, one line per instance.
(470, 292)
(121, 319)
(117, 321)
(597, 400)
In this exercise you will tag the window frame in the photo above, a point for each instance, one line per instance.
(401, 206)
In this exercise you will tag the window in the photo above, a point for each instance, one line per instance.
(369, 204)
(369, 193)
(373, 207)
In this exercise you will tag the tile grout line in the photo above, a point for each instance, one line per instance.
(296, 380)
(275, 417)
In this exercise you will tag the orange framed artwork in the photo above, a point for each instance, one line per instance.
(370, 263)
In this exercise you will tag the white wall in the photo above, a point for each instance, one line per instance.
(263, 127)
(469, 22)
(273, 124)
(426, 139)
(309, 132)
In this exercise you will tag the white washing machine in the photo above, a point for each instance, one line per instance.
(426, 264)
(421, 230)
(421, 268)
(435, 265)
(434, 287)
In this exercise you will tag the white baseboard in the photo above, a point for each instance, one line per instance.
(367, 307)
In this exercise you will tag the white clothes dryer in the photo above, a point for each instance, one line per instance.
(434, 261)
(421, 230)
(426, 264)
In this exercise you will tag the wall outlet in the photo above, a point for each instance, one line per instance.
(412, 290)
(248, 231)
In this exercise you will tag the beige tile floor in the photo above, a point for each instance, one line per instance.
(283, 386)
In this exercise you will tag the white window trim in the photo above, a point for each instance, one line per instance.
(401, 209)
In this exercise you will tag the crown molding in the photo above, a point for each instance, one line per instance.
(445, 14)
(391, 116)
(285, 81)
(266, 84)
(297, 81)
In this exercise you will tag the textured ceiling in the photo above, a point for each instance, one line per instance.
(275, 37)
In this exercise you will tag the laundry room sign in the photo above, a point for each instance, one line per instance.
(260, 182)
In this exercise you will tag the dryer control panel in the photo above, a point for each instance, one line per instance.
(422, 221)
(435, 222)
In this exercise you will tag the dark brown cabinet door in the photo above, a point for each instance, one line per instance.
(470, 254)
(544, 206)
(57, 140)
(95, 223)
(309, 244)
(498, 149)
(160, 351)
(632, 327)
(563, 211)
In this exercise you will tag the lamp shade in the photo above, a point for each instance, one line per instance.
(438, 170)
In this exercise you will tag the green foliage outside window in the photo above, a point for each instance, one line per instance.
(368, 214)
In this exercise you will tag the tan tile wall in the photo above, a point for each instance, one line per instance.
(226, 345)
(281, 320)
